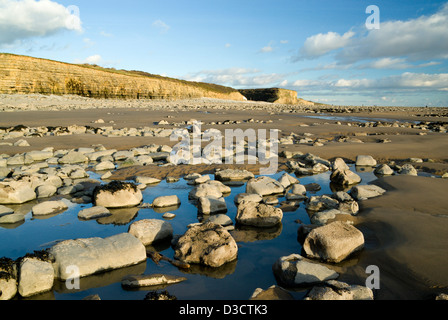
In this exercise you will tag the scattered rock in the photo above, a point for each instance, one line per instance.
(73, 157)
(16, 192)
(36, 276)
(264, 186)
(258, 214)
(384, 170)
(247, 197)
(104, 165)
(333, 242)
(336, 290)
(286, 180)
(366, 192)
(96, 255)
(366, 161)
(233, 174)
(117, 194)
(94, 213)
(146, 180)
(208, 244)
(345, 177)
(210, 205)
(408, 169)
(49, 207)
(321, 203)
(220, 219)
(272, 293)
(136, 281)
(166, 201)
(295, 270)
(151, 230)
(12, 218)
(21, 143)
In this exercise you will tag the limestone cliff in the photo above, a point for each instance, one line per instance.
(27, 75)
(274, 95)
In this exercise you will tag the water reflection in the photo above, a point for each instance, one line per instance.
(252, 234)
(258, 247)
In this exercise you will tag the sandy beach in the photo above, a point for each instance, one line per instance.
(406, 229)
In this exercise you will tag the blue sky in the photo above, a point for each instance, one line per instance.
(321, 49)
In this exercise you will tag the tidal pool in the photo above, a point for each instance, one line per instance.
(257, 252)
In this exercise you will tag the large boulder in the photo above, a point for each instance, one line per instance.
(16, 192)
(333, 242)
(210, 205)
(366, 192)
(339, 164)
(95, 255)
(35, 276)
(408, 169)
(151, 230)
(211, 188)
(295, 270)
(344, 177)
(264, 186)
(384, 170)
(365, 161)
(258, 214)
(208, 244)
(117, 194)
(247, 197)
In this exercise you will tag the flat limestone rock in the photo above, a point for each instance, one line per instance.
(93, 213)
(295, 270)
(95, 255)
(333, 242)
(136, 281)
(49, 207)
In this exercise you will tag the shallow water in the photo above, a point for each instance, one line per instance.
(258, 248)
(358, 119)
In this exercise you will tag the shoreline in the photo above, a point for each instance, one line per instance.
(404, 228)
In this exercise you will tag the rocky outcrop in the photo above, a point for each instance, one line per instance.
(25, 75)
(274, 95)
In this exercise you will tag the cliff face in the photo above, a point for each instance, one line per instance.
(26, 75)
(273, 95)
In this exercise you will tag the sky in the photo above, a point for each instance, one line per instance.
(341, 52)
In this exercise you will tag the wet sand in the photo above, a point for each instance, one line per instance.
(406, 229)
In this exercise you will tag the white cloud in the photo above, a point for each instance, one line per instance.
(266, 49)
(395, 43)
(95, 59)
(402, 82)
(284, 41)
(25, 19)
(228, 45)
(237, 77)
(162, 26)
(321, 44)
(106, 34)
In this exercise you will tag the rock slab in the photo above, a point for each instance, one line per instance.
(95, 255)
(333, 242)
